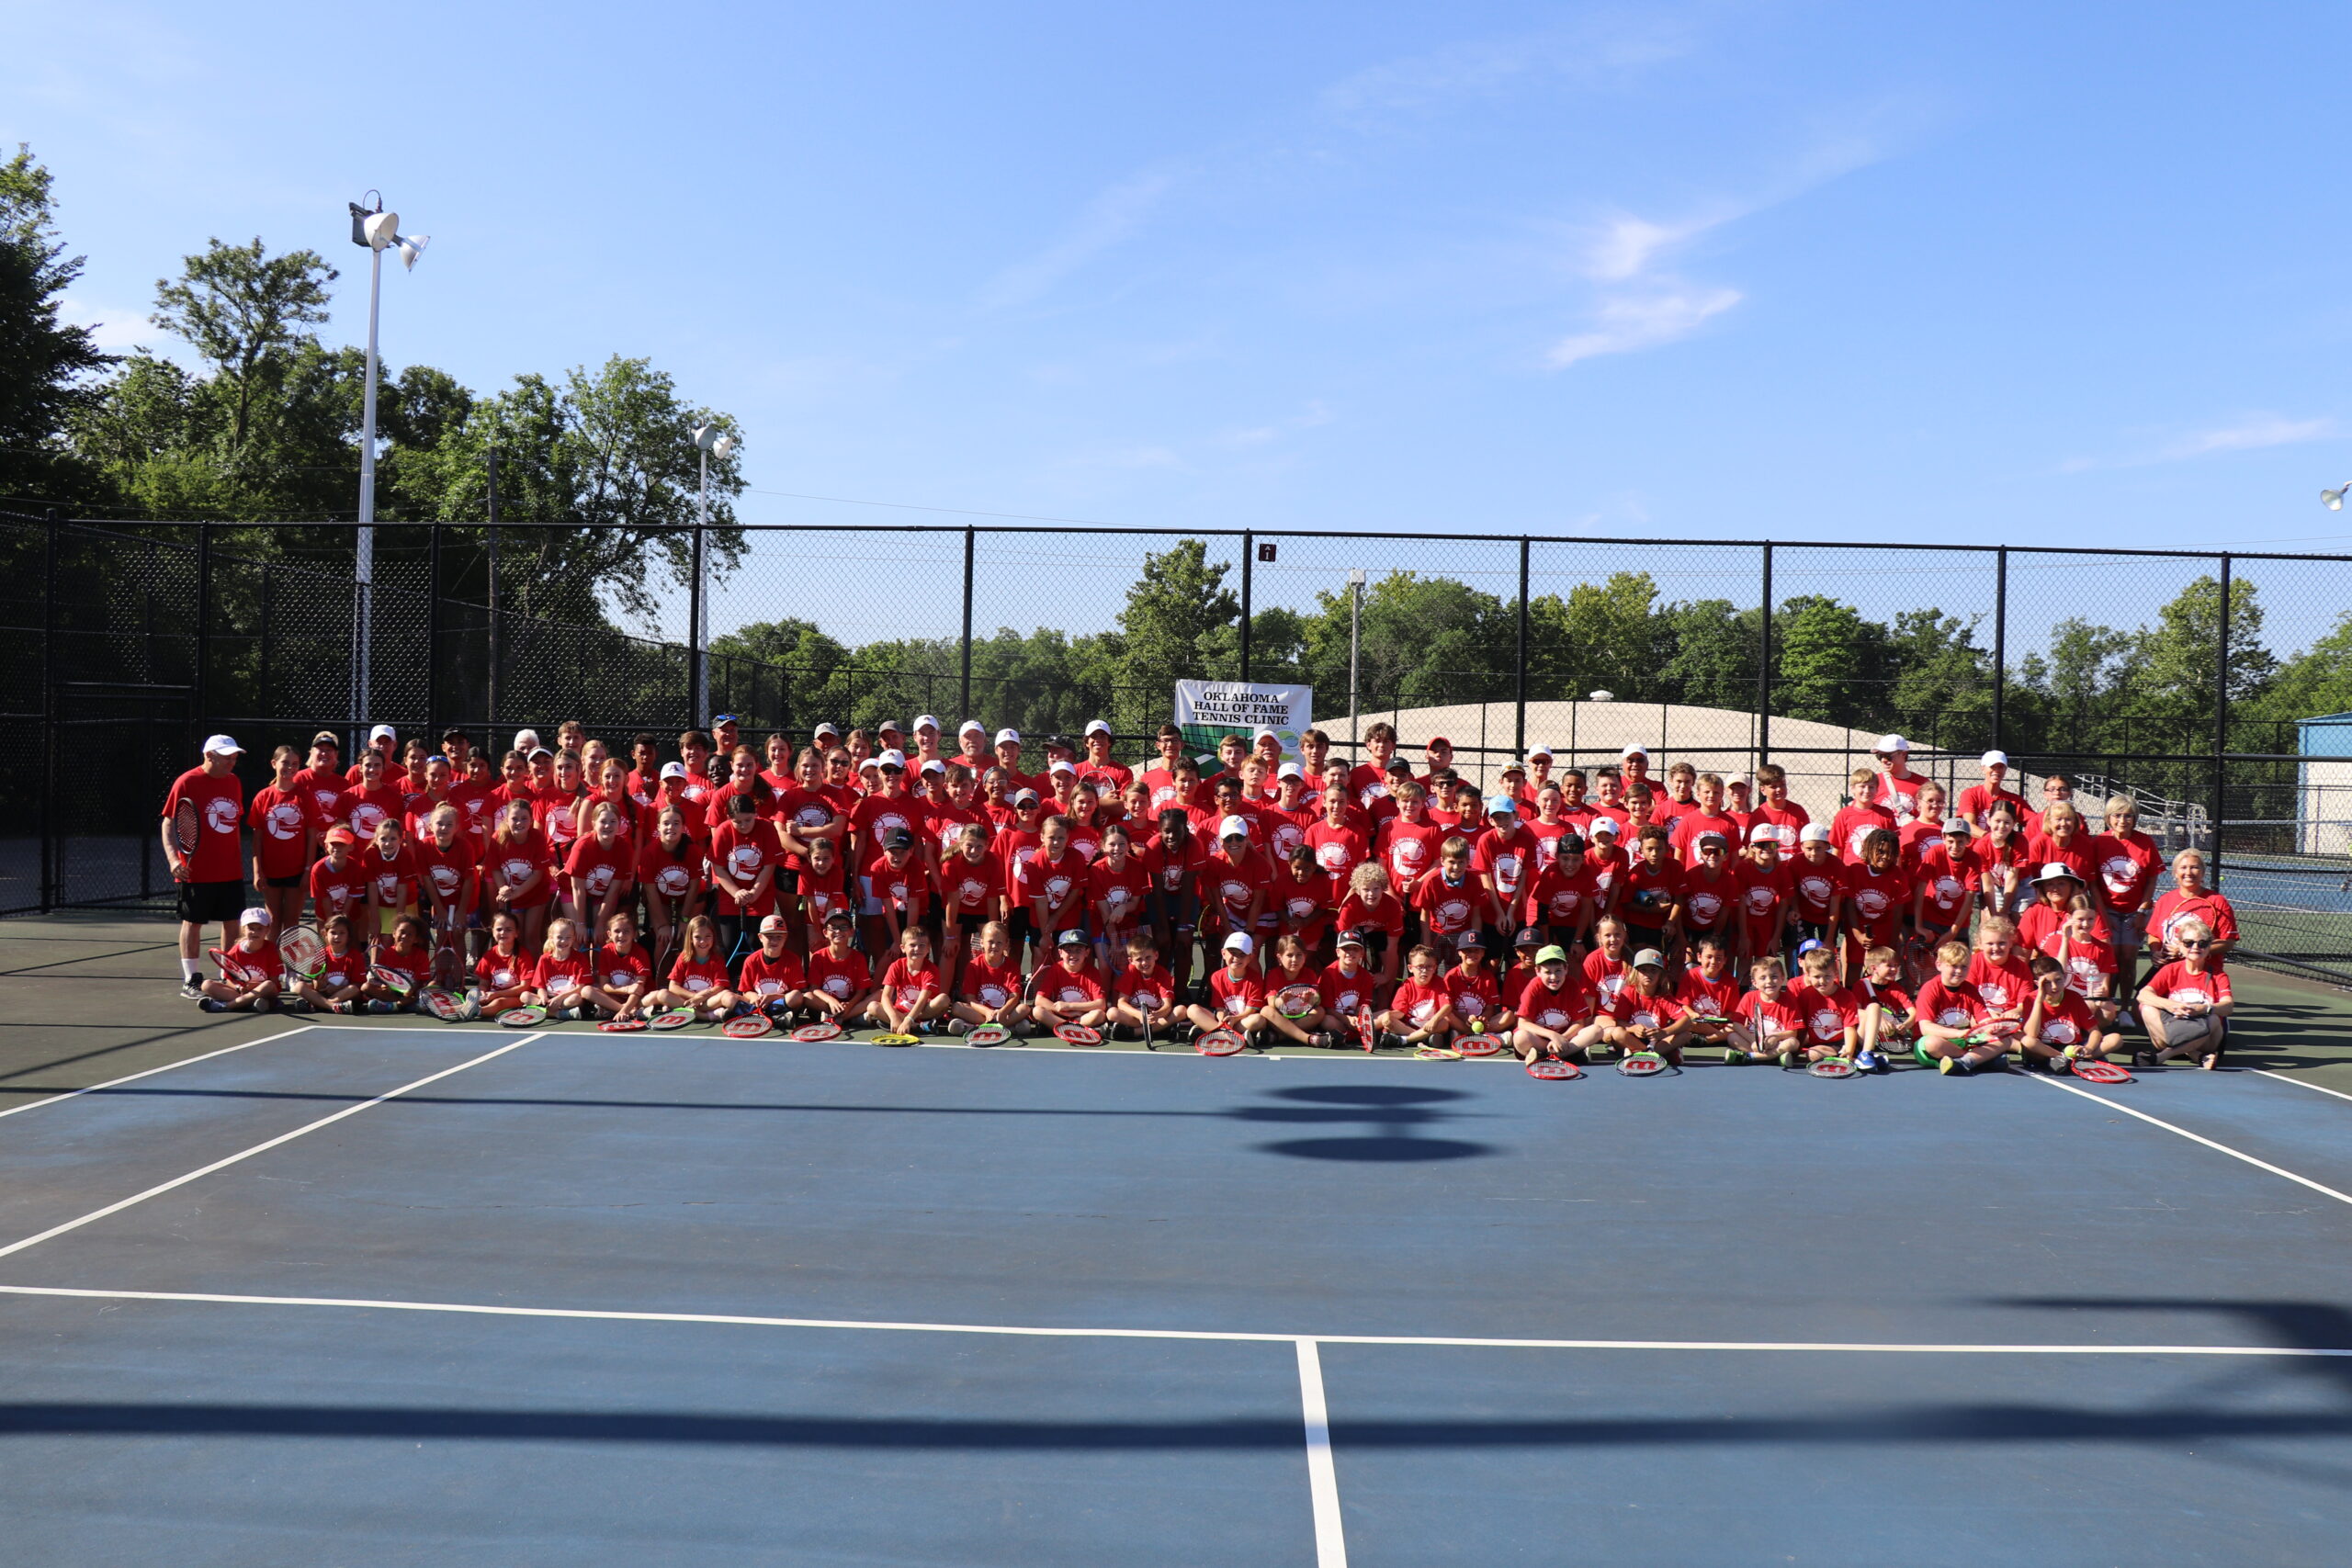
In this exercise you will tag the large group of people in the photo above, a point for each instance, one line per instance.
(918, 880)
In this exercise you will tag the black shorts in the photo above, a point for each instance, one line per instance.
(201, 903)
(969, 924)
(294, 881)
(1640, 936)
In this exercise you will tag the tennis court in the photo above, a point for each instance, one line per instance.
(390, 1293)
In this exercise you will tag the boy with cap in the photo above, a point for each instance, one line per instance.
(1507, 856)
(1555, 1011)
(251, 971)
(1109, 776)
(1977, 802)
(1235, 994)
(773, 979)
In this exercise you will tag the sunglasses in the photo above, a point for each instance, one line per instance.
(2195, 946)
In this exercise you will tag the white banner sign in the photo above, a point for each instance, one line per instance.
(1210, 710)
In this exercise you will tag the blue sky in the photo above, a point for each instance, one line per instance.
(1999, 273)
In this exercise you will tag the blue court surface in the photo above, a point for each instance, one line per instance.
(375, 1295)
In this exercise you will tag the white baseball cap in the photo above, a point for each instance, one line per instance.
(1993, 760)
(1004, 737)
(1535, 751)
(1634, 751)
(934, 766)
(1096, 727)
(1814, 833)
(930, 719)
(1289, 770)
(971, 726)
(1891, 743)
(381, 732)
(254, 916)
(1605, 825)
(893, 758)
(1061, 765)
(1763, 833)
(1239, 943)
(221, 746)
(1233, 827)
(1265, 733)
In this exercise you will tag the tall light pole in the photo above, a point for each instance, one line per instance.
(1355, 619)
(377, 230)
(710, 443)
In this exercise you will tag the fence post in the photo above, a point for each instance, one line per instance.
(50, 866)
(1764, 668)
(2221, 717)
(963, 688)
(1519, 742)
(490, 708)
(694, 688)
(1249, 552)
(202, 688)
(433, 635)
(2000, 645)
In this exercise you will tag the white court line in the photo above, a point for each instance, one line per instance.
(2298, 1083)
(1322, 1475)
(326, 1121)
(741, 1320)
(2193, 1137)
(129, 1078)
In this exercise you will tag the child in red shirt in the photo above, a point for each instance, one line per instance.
(910, 1000)
(1952, 1010)
(1998, 972)
(989, 991)
(1350, 983)
(2059, 1028)
(1708, 993)
(251, 973)
(1422, 1011)
(1642, 1015)
(1473, 991)
(1371, 909)
(839, 980)
(1605, 966)
(1293, 992)
(1144, 1001)
(622, 971)
(1769, 1026)
(1555, 1011)
(1236, 993)
(773, 980)
(699, 980)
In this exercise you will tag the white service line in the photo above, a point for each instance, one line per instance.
(132, 1077)
(2298, 1083)
(1322, 1475)
(741, 1320)
(2193, 1137)
(116, 1207)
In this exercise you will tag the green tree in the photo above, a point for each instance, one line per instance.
(1831, 662)
(246, 311)
(45, 363)
(1180, 621)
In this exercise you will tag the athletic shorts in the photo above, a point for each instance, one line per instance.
(970, 924)
(284, 882)
(201, 903)
(2127, 932)
(873, 905)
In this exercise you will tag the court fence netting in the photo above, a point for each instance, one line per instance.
(2216, 689)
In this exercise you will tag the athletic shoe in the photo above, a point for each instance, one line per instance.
(1870, 1062)
(1949, 1065)
(211, 1004)
(191, 988)
(1734, 1056)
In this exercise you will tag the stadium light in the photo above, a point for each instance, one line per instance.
(1355, 617)
(2334, 498)
(375, 230)
(709, 443)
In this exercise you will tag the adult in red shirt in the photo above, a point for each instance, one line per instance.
(1236, 883)
(2186, 1005)
(1977, 802)
(323, 782)
(212, 874)
(2125, 862)
(1894, 785)
(385, 746)
(2190, 900)
(286, 827)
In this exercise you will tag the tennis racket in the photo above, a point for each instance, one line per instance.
(235, 969)
(894, 1040)
(672, 1018)
(400, 982)
(303, 952)
(621, 1025)
(1552, 1067)
(1077, 1034)
(986, 1035)
(1431, 1051)
(824, 1029)
(1478, 1044)
(1295, 1002)
(1367, 1032)
(1832, 1068)
(529, 1016)
(441, 1004)
(2101, 1072)
(1220, 1042)
(751, 1026)
(187, 827)
(1642, 1064)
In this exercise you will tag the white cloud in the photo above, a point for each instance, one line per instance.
(1487, 67)
(1109, 219)
(1316, 412)
(117, 330)
(2248, 433)
(1629, 322)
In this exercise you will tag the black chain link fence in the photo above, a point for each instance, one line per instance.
(2214, 689)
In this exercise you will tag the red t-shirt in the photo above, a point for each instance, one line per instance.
(990, 987)
(1699, 994)
(1561, 896)
(1816, 884)
(1825, 1014)
(821, 894)
(1976, 803)
(1450, 908)
(1650, 892)
(2174, 982)
(417, 962)
(504, 971)
(1147, 992)
(1355, 914)
(242, 965)
(220, 810)
(2006, 985)
(327, 792)
(766, 977)
(617, 971)
(1230, 998)
(1338, 850)
(1630, 1007)
(477, 806)
(336, 892)
(1786, 821)
(1950, 1007)
(1121, 895)
(1877, 902)
(1475, 996)
(1417, 1002)
(669, 874)
(1347, 994)
(282, 822)
(553, 974)
(1606, 975)
(967, 885)
(2069, 1022)
(1233, 885)
(445, 873)
(1768, 1019)
(1694, 822)
(1900, 797)
(1508, 862)
(1947, 882)
(694, 975)
(1300, 905)
(1764, 902)
(745, 854)
(839, 978)
(2127, 865)
(1855, 823)
(1409, 848)
(2176, 907)
(392, 881)
(1709, 903)
(515, 859)
(2091, 965)
(910, 984)
(1538, 1003)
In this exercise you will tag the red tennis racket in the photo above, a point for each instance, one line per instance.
(824, 1029)
(188, 829)
(1077, 1034)
(1479, 1045)
(1552, 1067)
(986, 1035)
(235, 968)
(400, 982)
(441, 1004)
(1220, 1042)
(1832, 1068)
(622, 1025)
(1367, 1032)
(751, 1026)
(2101, 1072)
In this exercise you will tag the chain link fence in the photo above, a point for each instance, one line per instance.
(2214, 689)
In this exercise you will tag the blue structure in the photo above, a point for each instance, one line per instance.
(2323, 784)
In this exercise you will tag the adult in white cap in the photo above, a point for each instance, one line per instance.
(1107, 776)
(1008, 757)
(1896, 786)
(387, 745)
(204, 849)
(1539, 771)
(1977, 802)
(927, 733)
(1633, 767)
